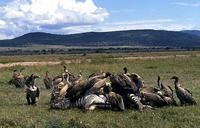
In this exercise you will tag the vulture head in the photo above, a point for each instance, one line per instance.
(80, 73)
(107, 74)
(125, 70)
(31, 80)
(175, 78)
(65, 69)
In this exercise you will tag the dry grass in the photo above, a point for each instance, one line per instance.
(15, 113)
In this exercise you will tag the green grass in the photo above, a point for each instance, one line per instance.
(14, 112)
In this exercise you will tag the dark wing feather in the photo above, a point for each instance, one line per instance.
(185, 96)
(153, 98)
(129, 84)
(37, 92)
(188, 91)
(119, 85)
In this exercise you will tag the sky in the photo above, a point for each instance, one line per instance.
(18, 17)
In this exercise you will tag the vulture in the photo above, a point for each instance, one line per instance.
(77, 80)
(166, 93)
(32, 91)
(113, 98)
(184, 95)
(96, 74)
(123, 83)
(92, 86)
(18, 79)
(167, 90)
(150, 89)
(75, 92)
(96, 83)
(59, 90)
(71, 77)
(48, 82)
(152, 99)
(127, 85)
(160, 95)
(66, 74)
(137, 80)
(63, 85)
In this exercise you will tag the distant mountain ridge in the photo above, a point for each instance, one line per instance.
(193, 32)
(115, 38)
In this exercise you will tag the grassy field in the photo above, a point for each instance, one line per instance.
(15, 113)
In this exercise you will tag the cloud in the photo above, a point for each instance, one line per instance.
(2, 24)
(3, 36)
(180, 3)
(23, 16)
(71, 16)
(123, 11)
(157, 24)
(185, 4)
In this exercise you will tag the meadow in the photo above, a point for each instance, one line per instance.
(15, 113)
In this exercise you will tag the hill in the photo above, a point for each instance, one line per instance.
(115, 38)
(192, 32)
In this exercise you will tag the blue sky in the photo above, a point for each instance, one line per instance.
(18, 17)
(180, 11)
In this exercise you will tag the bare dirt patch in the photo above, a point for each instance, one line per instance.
(78, 61)
(42, 63)
(28, 64)
(151, 57)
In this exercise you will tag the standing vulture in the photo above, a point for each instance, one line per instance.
(167, 90)
(18, 79)
(184, 95)
(48, 82)
(32, 90)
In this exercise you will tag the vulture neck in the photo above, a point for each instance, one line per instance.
(102, 76)
(159, 84)
(176, 83)
(125, 71)
(47, 74)
(67, 80)
(139, 83)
